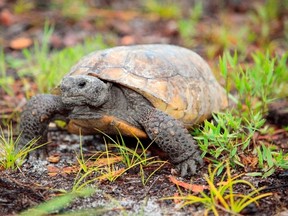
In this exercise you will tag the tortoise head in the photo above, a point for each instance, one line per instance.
(81, 90)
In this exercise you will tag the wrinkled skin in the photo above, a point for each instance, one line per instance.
(86, 97)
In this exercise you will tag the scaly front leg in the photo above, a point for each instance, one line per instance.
(35, 119)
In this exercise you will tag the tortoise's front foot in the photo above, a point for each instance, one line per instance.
(35, 119)
(173, 138)
(39, 153)
(25, 141)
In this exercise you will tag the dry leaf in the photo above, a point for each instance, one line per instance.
(54, 158)
(6, 17)
(106, 161)
(193, 187)
(127, 40)
(20, 43)
(70, 169)
(52, 170)
(109, 175)
(249, 161)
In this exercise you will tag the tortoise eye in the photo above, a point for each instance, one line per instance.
(82, 84)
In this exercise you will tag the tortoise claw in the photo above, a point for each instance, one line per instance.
(188, 167)
(39, 154)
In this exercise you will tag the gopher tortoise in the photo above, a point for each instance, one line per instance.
(155, 91)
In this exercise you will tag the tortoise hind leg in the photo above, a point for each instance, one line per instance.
(173, 138)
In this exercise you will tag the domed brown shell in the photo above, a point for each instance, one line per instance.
(174, 79)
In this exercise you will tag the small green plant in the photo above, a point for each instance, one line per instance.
(11, 157)
(255, 85)
(188, 26)
(23, 6)
(96, 168)
(88, 167)
(109, 170)
(223, 196)
(221, 38)
(83, 178)
(6, 82)
(165, 10)
(131, 157)
(74, 10)
(228, 137)
(40, 51)
(263, 18)
(80, 157)
(269, 158)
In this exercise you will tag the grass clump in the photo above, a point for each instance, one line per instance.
(227, 137)
(12, 157)
(269, 159)
(6, 82)
(108, 165)
(223, 196)
(135, 158)
(255, 85)
(96, 168)
(232, 134)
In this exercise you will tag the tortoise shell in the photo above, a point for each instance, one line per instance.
(174, 79)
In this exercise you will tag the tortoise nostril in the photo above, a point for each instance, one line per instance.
(82, 84)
